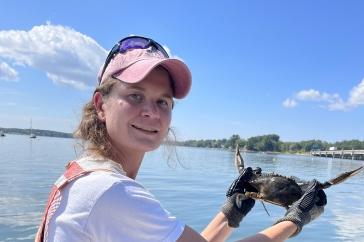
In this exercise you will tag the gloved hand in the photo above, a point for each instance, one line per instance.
(237, 205)
(307, 208)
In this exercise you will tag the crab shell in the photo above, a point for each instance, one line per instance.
(275, 189)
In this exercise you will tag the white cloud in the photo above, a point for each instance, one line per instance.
(310, 94)
(7, 73)
(289, 103)
(335, 102)
(65, 55)
(357, 95)
(332, 102)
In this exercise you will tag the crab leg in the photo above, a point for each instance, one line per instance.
(258, 196)
(341, 177)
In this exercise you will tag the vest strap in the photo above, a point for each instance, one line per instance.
(73, 172)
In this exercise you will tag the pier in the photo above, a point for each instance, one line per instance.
(342, 154)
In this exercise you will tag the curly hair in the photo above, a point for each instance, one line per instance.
(91, 130)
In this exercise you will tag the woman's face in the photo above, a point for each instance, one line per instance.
(138, 116)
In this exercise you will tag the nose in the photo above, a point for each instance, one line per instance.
(150, 110)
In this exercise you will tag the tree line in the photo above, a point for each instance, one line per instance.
(37, 132)
(271, 142)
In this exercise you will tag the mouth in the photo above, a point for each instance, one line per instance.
(145, 129)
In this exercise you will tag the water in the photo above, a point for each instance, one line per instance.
(194, 193)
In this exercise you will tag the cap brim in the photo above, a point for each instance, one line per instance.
(179, 72)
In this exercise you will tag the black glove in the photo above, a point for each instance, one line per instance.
(238, 185)
(307, 208)
(237, 205)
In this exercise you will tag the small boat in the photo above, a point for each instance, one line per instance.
(2, 134)
(32, 136)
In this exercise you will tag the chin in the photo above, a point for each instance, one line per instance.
(148, 146)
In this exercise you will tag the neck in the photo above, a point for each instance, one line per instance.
(130, 160)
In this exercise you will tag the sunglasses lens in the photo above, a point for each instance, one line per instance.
(130, 43)
(161, 49)
(133, 43)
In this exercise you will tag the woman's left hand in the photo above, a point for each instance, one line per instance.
(307, 208)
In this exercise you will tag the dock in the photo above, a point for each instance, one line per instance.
(342, 154)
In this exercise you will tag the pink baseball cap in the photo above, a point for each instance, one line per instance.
(135, 64)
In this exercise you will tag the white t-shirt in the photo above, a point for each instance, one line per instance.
(109, 206)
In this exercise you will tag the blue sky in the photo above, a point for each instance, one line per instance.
(293, 68)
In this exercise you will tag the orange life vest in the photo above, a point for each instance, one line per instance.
(73, 171)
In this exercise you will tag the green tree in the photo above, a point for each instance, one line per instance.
(231, 143)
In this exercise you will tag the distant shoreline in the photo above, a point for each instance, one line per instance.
(57, 134)
(37, 132)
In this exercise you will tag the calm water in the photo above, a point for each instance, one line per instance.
(194, 192)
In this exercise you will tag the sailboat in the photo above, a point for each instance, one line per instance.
(32, 136)
(2, 134)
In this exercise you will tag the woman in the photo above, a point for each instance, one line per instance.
(98, 199)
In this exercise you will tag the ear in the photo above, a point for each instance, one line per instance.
(98, 103)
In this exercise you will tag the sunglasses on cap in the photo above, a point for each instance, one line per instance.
(130, 43)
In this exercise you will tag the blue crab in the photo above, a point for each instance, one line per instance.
(281, 190)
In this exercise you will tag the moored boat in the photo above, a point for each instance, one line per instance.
(32, 136)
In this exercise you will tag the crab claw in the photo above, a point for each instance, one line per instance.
(239, 161)
(258, 170)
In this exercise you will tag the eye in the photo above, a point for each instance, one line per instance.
(165, 104)
(135, 97)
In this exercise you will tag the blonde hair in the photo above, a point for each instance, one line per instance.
(91, 130)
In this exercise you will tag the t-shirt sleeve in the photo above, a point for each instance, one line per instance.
(128, 212)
